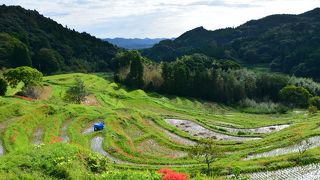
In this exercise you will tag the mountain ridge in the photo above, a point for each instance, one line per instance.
(288, 43)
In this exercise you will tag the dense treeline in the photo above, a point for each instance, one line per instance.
(28, 38)
(203, 77)
(288, 43)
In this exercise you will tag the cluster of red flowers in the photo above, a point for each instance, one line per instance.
(168, 174)
(25, 98)
(55, 139)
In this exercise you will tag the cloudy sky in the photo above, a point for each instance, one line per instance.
(158, 18)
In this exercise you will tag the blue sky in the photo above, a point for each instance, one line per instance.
(158, 18)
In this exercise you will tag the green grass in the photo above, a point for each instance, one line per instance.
(127, 115)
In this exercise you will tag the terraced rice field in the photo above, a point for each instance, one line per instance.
(148, 131)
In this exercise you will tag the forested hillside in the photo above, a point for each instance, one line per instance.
(288, 43)
(47, 45)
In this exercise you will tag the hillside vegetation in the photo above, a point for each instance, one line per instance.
(51, 138)
(286, 43)
(29, 38)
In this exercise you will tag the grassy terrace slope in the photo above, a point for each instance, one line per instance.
(137, 135)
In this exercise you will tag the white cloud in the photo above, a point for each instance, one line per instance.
(158, 18)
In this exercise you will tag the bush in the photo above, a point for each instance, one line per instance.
(312, 110)
(251, 106)
(33, 92)
(295, 96)
(76, 93)
(315, 101)
(27, 75)
(3, 87)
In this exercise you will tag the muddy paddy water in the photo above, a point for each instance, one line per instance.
(302, 146)
(299, 173)
(197, 130)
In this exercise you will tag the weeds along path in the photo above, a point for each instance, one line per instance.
(37, 136)
(3, 126)
(304, 145)
(311, 171)
(197, 130)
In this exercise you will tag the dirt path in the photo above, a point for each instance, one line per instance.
(45, 94)
(299, 173)
(96, 146)
(173, 137)
(303, 145)
(260, 130)
(91, 100)
(37, 136)
(196, 130)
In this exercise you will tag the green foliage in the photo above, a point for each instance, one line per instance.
(129, 68)
(76, 93)
(27, 75)
(251, 106)
(315, 101)
(206, 152)
(295, 96)
(13, 53)
(48, 60)
(79, 51)
(312, 110)
(269, 85)
(130, 175)
(3, 87)
(288, 43)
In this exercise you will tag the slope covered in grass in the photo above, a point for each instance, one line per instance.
(137, 136)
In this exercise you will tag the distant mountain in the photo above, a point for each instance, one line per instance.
(288, 43)
(135, 43)
(49, 44)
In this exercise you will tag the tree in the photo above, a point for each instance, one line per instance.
(76, 93)
(29, 76)
(129, 68)
(205, 152)
(20, 56)
(3, 87)
(48, 60)
(295, 96)
(13, 52)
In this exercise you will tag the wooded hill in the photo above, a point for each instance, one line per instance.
(47, 45)
(288, 43)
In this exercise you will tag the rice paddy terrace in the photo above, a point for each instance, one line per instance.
(146, 131)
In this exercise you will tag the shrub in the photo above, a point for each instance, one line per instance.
(251, 106)
(3, 87)
(315, 101)
(76, 93)
(27, 75)
(168, 174)
(312, 110)
(295, 96)
(33, 92)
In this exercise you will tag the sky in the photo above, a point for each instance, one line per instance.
(158, 18)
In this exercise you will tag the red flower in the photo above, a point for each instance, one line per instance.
(55, 139)
(168, 174)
